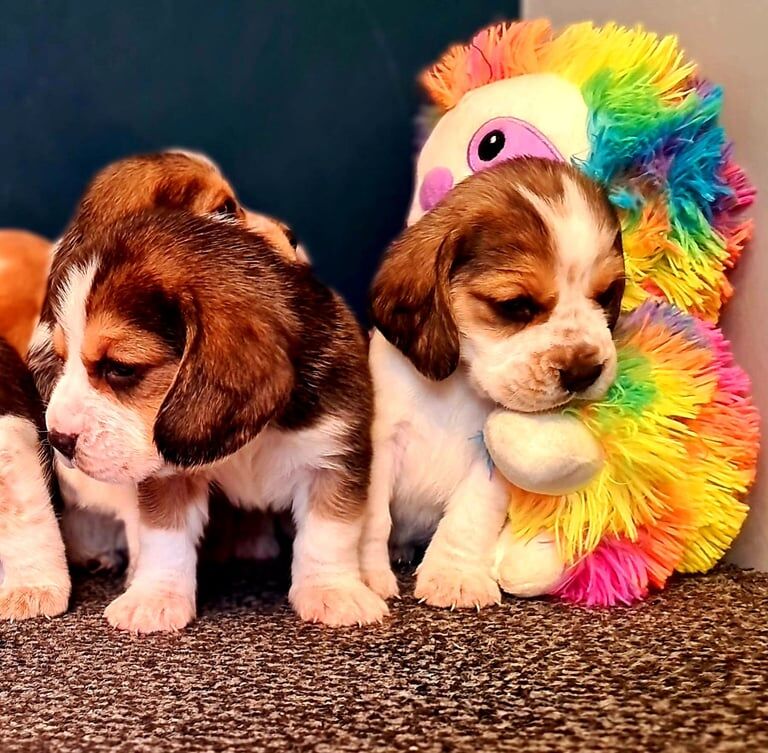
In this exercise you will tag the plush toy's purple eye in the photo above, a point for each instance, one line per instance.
(505, 138)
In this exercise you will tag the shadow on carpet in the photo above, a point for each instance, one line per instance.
(687, 670)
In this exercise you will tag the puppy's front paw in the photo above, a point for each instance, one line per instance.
(456, 587)
(348, 602)
(33, 601)
(382, 582)
(144, 610)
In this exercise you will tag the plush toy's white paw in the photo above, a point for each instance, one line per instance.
(346, 602)
(456, 587)
(528, 568)
(382, 582)
(148, 610)
(549, 453)
(33, 601)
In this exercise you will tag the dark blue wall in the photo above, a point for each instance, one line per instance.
(307, 106)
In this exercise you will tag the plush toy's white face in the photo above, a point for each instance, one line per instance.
(539, 115)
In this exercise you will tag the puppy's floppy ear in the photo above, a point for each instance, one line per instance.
(410, 297)
(614, 309)
(233, 378)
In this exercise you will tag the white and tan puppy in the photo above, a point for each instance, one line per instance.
(504, 294)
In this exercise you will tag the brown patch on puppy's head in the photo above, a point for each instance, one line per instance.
(174, 180)
(169, 180)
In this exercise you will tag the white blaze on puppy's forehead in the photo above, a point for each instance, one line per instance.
(71, 304)
(63, 414)
(580, 232)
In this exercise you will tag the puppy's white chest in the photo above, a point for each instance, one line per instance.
(266, 473)
(435, 427)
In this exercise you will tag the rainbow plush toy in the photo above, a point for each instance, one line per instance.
(650, 480)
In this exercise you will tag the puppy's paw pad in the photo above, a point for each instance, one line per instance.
(382, 582)
(456, 588)
(346, 603)
(144, 611)
(33, 601)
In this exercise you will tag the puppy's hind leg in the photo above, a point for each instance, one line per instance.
(326, 583)
(375, 565)
(99, 522)
(35, 580)
(94, 541)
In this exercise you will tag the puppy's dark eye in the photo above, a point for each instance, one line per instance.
(227, 209)
(292, 239)
(119, 375)
(608, 297)
(520, 310)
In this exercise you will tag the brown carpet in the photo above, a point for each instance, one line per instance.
(686, 671)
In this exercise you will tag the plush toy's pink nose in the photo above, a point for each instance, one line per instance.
(437, 182)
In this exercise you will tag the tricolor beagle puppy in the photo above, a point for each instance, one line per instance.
(178, 349)
(99, 521)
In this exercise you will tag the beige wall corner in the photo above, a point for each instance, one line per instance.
(728, 40)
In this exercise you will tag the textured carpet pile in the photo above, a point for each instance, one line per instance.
(685, 671)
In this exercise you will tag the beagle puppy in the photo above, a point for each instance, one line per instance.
(34, 579)
(184, 351)
(504, 294)
(100, 521)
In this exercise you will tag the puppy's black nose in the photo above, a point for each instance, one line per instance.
(579, 376)
(64, 443)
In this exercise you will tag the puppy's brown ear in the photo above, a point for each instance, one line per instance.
(410, 297)
(613, 310)
(233, 378)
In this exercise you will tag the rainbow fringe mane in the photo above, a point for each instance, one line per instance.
(656, 144)
(680, 434)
